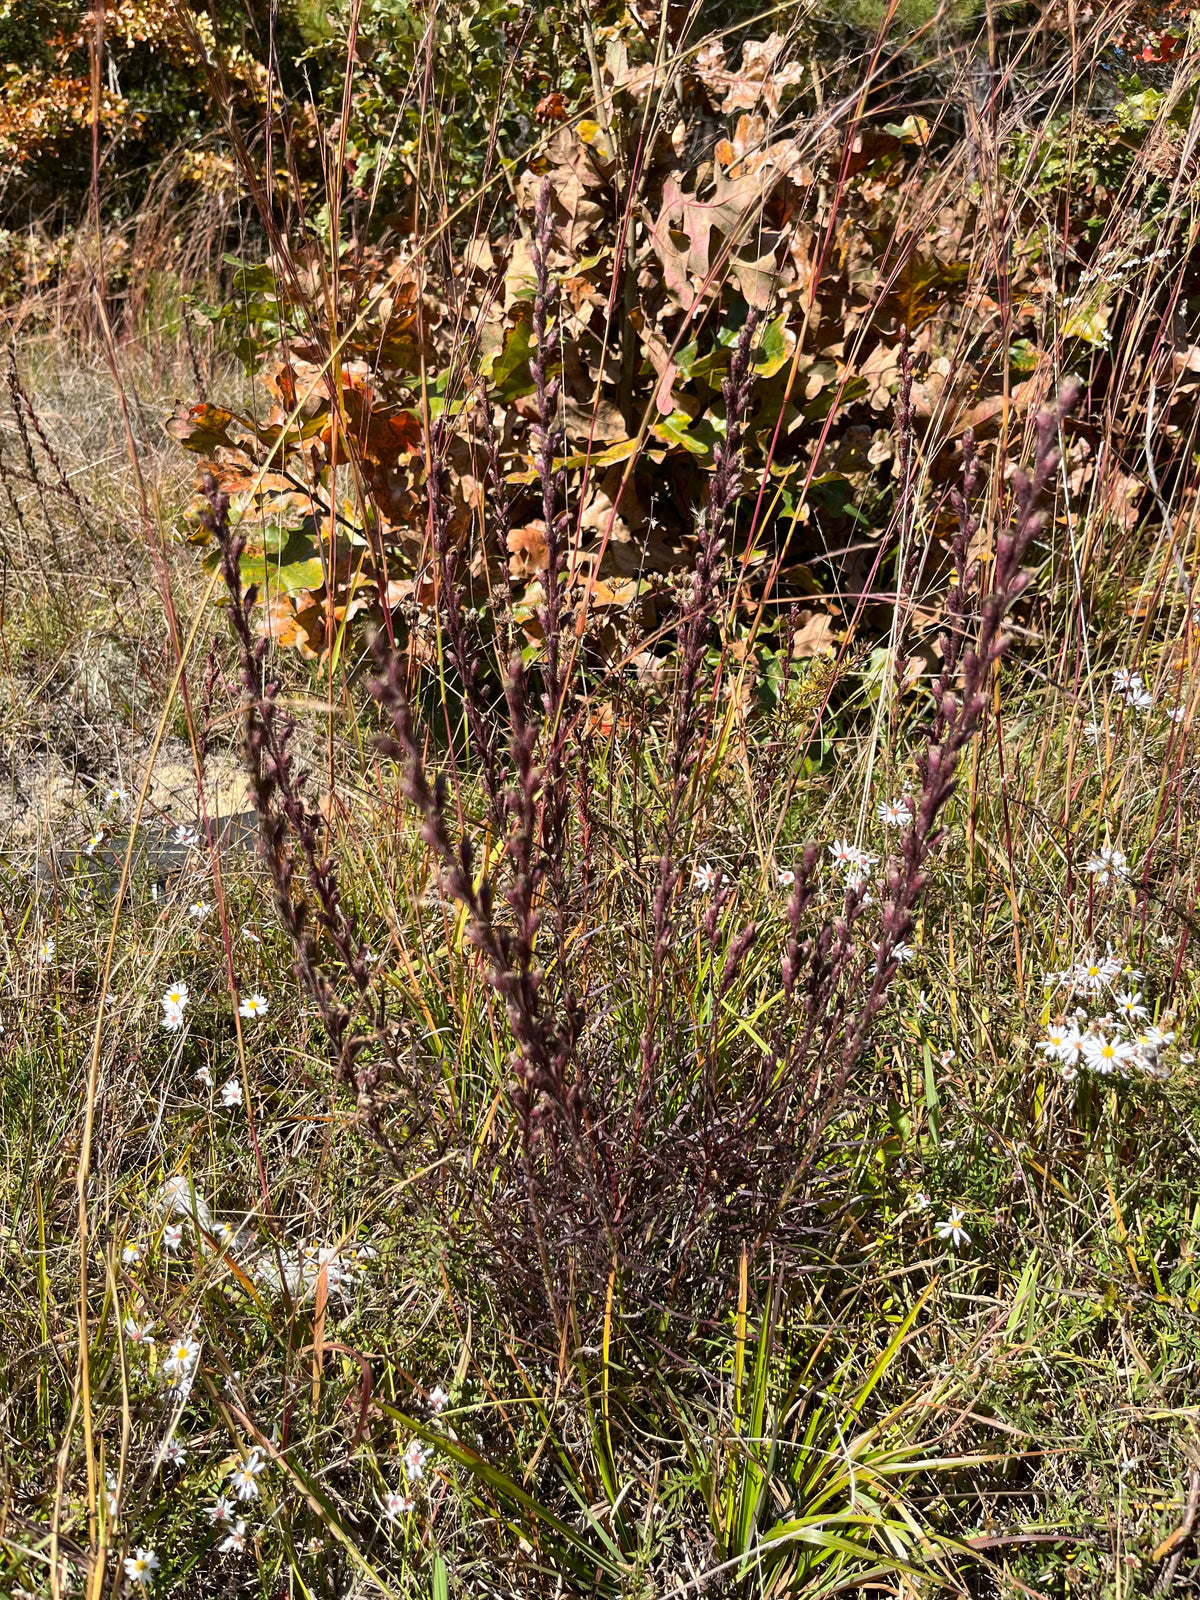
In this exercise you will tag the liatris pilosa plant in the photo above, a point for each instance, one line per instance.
(286, 827)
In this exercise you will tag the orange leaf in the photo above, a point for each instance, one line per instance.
(200, 428)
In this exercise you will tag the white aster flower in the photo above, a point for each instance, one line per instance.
(234, 1540)
(1112, 968)
(231, 1093)
(185, 836)
(46, 950)
(241, 1481)
(1106, 1055)
(205, 1075)
(174, 1455)
(415, 1458)
(952, 1230)
(1071, 1049)
(1089, 977)
(1177, 713)
(396, 1504)
(892, 813)
(220, 1511)
(1070, 1074)
(115, 797)
(901, 952)
(181, 1357)
(1130, 1006)
(1124, 680)
(1139, 699)
(338, 1275)
(857, 878)
(244, 1479)
(249, 934)
(1110, 864)
(173, 1235)
(177, 995)
(704, 878)
(138, 1332)
(93, 844)
(922, 1202)
(172, 1018)
(785, 877)
(199, 909)
(438, 1400)
(1156, 1038)
(131, 1255)
(1051, 1045)
(141, 1566)
(254, 1006)
(844, 853)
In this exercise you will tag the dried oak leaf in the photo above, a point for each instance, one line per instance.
(580, 292)
(520, 278)
(297, 385)
(200, 428)
(921, 286)
(814, 635)
(633, 543)
(419, 591)
(573, 177)
(748, 152)
(758, 78)
(636, 80)
(299, 620)
(664, 364)
(601, 719)
(552, 108)
(1121, 499)
(596, 420)
(586, 413)
(881, 369)
(682, 236)
(377, 433)
(295, 621)
(1024, 398)
(527, 549)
